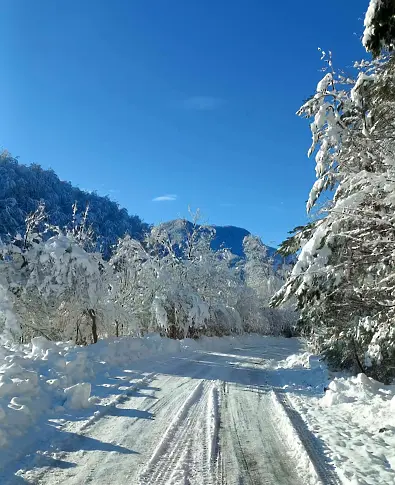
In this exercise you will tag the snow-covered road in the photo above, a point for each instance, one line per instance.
(198, 417)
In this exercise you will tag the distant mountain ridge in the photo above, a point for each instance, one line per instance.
(229, 237)
(23, 187)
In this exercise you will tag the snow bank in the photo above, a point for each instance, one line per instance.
(354, 418)
(34, 379)
(360, 389)
(45, 376)
(119, 351)
(362, 429)
(305, 359)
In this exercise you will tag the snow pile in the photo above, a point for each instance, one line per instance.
(37, 377)
(302, 372)
(354, 418)
(77, 396)
(46, 374)
(359, 389)
(119, 351)
(306, 359)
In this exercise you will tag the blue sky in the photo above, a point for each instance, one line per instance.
(189, 101)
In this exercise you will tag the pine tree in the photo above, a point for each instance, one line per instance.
(379, 24)
(344, 280)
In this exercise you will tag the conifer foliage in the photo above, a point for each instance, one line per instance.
(379, 26)
(344, 278)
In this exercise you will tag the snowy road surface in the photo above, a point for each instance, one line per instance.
(199, 417)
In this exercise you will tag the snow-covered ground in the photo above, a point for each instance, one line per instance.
(240, 410)
(356, 421)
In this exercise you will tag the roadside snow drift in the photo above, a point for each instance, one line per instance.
(355, 418)
(49, 376)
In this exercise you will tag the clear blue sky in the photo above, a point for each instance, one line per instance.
(193, 98)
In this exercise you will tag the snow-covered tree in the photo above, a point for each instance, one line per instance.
(379, 25)
(182, 287)
(54, 284)
(264, 278)
(343, 277)
(57, 288)
(178, 307)
(135, 273)
(259, 269)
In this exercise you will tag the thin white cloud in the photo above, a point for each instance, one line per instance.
(227, 204)
(203, 103)
(165, 198)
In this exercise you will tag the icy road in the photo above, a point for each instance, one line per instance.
(198, 417)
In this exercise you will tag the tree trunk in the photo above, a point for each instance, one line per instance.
(77, 341)
(359, 365)
(92, 315)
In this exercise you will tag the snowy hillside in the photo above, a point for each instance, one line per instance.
(22, 188)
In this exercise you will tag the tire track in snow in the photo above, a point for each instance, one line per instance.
(325, 474)
(103, 425)
(212, 428)
(255, 453)
(188, 451)
(241, 455)
(174, 429)
(209, 464)
(169, 455)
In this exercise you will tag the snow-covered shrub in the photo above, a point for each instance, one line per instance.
(54, 286)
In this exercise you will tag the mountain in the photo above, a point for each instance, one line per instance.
(230, 237)
(23, 187)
